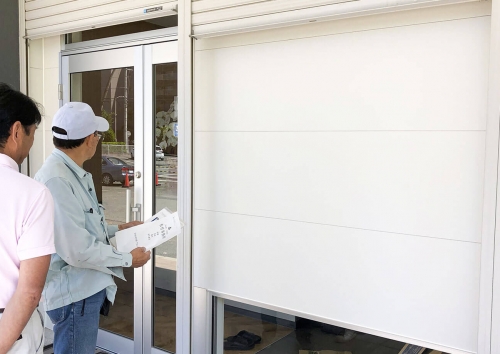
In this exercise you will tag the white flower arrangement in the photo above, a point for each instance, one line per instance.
(165, 125)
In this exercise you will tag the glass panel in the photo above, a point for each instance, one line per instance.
(253, 329)
(110, 93)
(122, 29)
(165, 150)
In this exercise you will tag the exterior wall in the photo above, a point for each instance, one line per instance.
(9, 44)
(43, 81)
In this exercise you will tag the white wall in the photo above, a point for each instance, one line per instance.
(43, 76)
(43, 80)
(340, 174)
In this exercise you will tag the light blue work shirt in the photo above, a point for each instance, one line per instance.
(85, 263)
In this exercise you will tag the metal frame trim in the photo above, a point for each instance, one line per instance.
(123, 345)
(185, 180)
(139, 295)
(148, 181)
(489, 321)
(135, 39)
(23, 70)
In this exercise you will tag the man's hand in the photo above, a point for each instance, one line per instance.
(140, 257)
(129, 224)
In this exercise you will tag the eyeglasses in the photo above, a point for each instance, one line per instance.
(99, 136)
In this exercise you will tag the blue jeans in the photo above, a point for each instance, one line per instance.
(76, 325)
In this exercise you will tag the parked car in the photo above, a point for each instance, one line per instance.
(158, 153)
(114, 170)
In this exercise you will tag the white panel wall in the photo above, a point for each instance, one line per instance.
(341, 176)
(414, 287)
(377, 80)
(410, 183)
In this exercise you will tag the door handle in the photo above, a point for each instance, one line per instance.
(137, 212)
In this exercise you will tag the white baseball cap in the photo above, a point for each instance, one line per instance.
(78, 120)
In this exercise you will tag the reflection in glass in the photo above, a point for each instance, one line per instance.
(165, 256)
(110, 93)
(251, 329)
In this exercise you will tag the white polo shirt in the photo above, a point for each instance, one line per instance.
(26, 224)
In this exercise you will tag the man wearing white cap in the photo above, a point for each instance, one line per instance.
(80, 277)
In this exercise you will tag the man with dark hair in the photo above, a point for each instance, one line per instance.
(26, 228)
(80, 277)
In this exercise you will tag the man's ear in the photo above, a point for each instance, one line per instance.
(15, 130)
(88, 140)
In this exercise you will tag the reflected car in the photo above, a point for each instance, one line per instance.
(114, 170)
(159, 155)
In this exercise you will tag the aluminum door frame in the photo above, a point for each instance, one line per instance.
(141, 53)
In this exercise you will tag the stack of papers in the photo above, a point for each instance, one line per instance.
(158, 229)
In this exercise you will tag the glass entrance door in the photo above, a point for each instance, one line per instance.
(135, 89)
(165, 196)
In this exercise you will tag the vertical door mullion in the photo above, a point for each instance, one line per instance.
(138, 188)
(65, 81)
(185, 177)
(149, 190)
